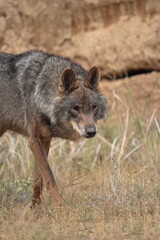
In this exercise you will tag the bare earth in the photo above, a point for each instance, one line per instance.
(142, 92)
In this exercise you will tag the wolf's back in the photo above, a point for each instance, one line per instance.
(11, 105)
(18, 74)
(26, 77)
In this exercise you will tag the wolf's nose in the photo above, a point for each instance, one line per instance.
(90, 131)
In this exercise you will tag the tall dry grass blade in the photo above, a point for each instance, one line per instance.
(124, 137)
(151, 120)
(96, 155)
(118, 97)
(127, 156)
(131, 152)
(113, 150)
(157, 125)
(104, 140)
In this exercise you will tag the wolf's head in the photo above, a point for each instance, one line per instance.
(81, 103)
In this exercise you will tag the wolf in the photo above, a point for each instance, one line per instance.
(43, 96)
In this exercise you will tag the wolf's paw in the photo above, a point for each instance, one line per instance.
(35, 202)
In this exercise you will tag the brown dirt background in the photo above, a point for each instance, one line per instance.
(118, 36)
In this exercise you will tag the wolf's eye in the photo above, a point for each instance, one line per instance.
(76, 108)
(94, 107)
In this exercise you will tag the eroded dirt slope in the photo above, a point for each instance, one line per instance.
(115, 35)
(141, 93)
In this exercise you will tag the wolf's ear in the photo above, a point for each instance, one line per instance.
(92, 79)
(68, 81)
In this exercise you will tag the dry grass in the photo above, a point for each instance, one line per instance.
(110, 184)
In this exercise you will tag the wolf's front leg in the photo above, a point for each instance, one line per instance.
(37, 186)
(38, 181)
(40, 151)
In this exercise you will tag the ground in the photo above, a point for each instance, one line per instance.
(141, 92)
(109, 185)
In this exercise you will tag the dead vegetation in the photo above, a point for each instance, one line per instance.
(110, 185)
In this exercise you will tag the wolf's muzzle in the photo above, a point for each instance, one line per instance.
(90, 131)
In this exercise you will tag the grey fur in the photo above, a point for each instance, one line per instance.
(28, 89)
(44, 96)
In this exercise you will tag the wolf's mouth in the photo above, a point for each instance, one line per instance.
(90, 135)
